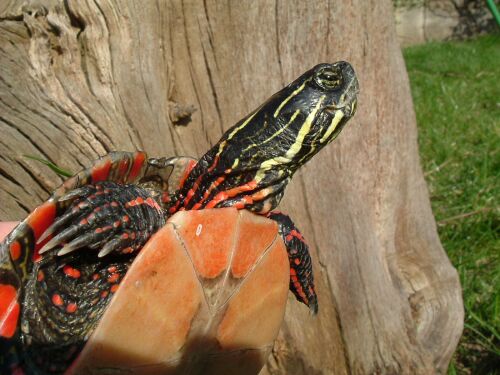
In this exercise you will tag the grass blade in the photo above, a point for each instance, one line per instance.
(60, 171)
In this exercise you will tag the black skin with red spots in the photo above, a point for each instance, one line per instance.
(301, 276)
(63, 297)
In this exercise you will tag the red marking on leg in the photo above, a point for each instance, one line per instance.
(15, 250)
(165, 197)
(100, 172)
(71, 272)
(113, 278)
(114, 204)
(136, 167)
(40, 276)
(112, 269)
(114, 288)
(298, 287)
(127, 250)
(152, 203)
(125, 236)
(39, 221)
(71, 307)
(41, 218)
(84, 222)
(295, 233)
(57, 300)
(95, 277)
(125, 219)
(296, 261)
(104, 294)
(117, 223)
(9, 310)
(103, 229)
(138, 201)
(123, 168)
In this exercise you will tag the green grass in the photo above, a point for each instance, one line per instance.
(456, 92)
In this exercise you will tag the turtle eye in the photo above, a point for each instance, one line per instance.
(329, 78)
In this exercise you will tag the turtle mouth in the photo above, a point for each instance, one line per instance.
(348, 108)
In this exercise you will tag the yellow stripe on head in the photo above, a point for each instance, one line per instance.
(281, 130)
(294, 149)
(283, 103)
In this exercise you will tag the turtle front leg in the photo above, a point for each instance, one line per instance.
(301, 274)
(108, 216)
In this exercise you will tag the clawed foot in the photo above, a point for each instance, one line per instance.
(107, 216)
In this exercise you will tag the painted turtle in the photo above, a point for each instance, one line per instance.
(60, 266)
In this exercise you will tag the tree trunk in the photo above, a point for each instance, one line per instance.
(81, 78)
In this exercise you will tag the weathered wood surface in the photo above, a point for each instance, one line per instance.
(80, 78)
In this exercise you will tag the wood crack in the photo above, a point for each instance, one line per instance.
(214, 92)
(277, 44)
(35, 178)
(25, 135)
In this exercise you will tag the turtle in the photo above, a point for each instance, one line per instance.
(60, 266)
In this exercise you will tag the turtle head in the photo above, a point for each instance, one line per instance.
(319, 103)
(298, 121)
(254, 160)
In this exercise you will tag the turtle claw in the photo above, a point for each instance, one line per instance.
(60, 238)
(75, 193)
(109, 247)
(66, 250)
(86, 240)
(45, 234)
(77, 211)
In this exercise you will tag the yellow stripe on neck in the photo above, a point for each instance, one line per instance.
(304, 130)
(333, 125)
(231, 135)
(283, 103)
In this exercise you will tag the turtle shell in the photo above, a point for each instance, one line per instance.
(206, 295)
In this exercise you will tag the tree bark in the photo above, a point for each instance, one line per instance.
(81, 78)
